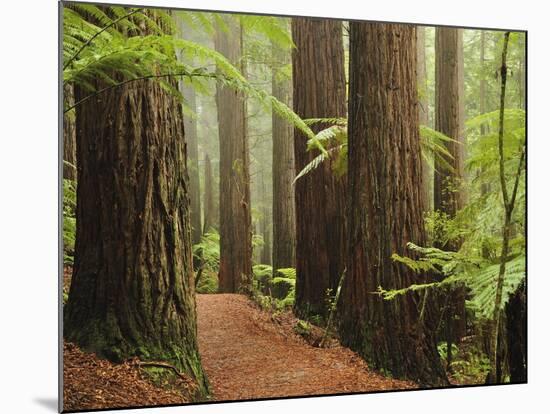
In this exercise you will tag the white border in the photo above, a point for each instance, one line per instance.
(28, 216)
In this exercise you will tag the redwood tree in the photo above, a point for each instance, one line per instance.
(193, 163)
(448, 191)
(385, 207)
(210, 216)
(284, 222)
(319, 91)
(132, 290)
(69, 136)
(235, 219)
(423, 112)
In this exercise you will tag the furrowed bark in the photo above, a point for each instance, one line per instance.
(448, 185)
(385, 207)
(284, 216)
(235, 219)
(132, 291)
(319, 91)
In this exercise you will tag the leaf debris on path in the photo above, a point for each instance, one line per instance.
(248, 356)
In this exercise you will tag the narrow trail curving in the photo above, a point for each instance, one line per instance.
(249, 355)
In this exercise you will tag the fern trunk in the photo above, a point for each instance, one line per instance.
(319, 91)
(235, 215)
(386, 204)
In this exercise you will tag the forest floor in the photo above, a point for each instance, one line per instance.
(249, 353)
(90, 382)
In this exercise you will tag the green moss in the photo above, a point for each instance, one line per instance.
(105, 339)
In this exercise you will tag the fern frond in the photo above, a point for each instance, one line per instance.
(316, 162)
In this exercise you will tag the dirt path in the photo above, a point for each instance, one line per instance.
(247, 355)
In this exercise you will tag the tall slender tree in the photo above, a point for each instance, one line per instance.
(284, 216)
(448, 184)
(319, 91)
(69, 136)
(423, 102)
(191, 135)
(132, 290)
(385, 206)
(235, 219)
(210, 216)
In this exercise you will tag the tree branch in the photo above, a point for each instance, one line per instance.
(165, 75)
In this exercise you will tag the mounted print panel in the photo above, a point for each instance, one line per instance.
(260, 207)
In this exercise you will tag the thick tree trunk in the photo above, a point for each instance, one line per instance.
(385, 206)
(132, 291)
(448, 185)
(210, 216)
(284, 216)
(516, 329)
(423, 113)
(319, 88)
(193, 163)
(235, 220)
(69, 136)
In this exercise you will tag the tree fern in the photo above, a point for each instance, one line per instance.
(116, 59)
(431, 143)
(478, 274)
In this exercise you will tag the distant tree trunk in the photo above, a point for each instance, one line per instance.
(485, 187)
(448, 185)
(193, 163)
(423, 113)
(284, 217)
(132, 291)
(266, 250)
(385, 205)
(319, 87)
(69, 136)
(483, 105)
(521, 74)
(191, 135)
(235, 220)
(210, 215)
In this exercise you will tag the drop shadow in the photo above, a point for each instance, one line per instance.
(49, 403)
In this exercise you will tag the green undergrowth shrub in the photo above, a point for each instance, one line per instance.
(69, 220)
(206, 262)
(470, 364)
(274, 289)
(208, 282)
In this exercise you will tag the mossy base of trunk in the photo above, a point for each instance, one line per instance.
(417, 361)
(105, 340)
